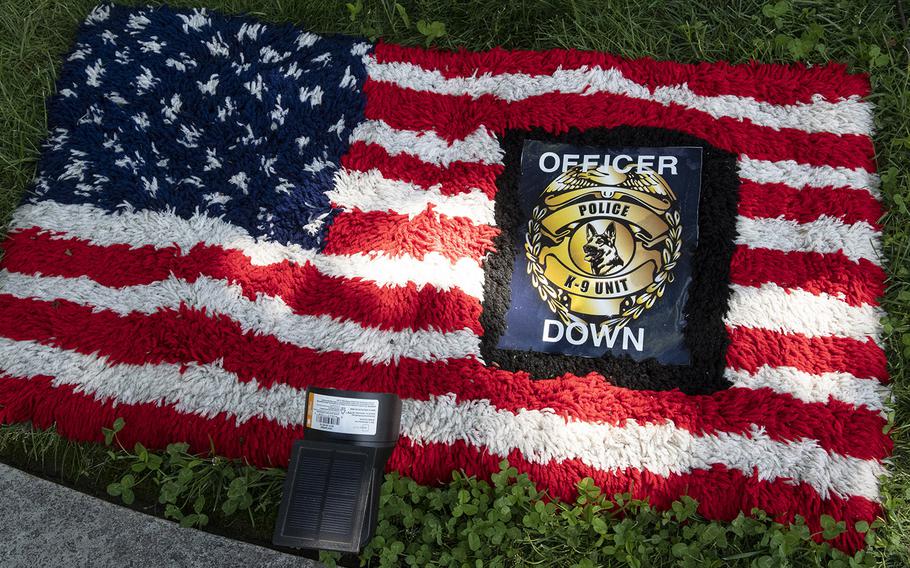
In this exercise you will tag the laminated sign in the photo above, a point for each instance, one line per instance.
(604, 260)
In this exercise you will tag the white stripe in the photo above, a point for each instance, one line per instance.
(794, 174)
(479, 146)
(542, 437)
(192, 388)
(663, 449)
(845, 116)
(824, 235)
(162, 229)
(370, 191)
(271, 316)
(796, 311)
(266, 315)
(166, 229)
(809, 387)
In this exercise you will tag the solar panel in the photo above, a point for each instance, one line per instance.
(328, 494)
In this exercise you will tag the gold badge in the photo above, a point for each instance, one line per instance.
(602, 244)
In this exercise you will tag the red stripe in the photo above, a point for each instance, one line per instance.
(804, 205)
(186, 336)
(458, 177)
(302, 287)
(379, 231)
(454, 117)
(857, 283)
(722, 493)
(79, 416)
(777, 84)
(750, 349)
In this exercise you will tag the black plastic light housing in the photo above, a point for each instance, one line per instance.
(331, 493)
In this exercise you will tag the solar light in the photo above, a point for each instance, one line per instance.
(331, 493)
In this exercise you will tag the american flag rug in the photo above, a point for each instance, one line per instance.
(227, 212)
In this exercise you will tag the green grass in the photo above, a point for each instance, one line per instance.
(504, 522)
(869, 37)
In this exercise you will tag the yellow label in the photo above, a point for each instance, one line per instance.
(309, 410)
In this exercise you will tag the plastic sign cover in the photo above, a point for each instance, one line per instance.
(604, 258)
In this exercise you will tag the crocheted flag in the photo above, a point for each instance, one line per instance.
(227, 212)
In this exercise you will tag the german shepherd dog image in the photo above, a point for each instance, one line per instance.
(600, 249)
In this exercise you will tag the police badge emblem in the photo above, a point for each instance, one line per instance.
(602, 244)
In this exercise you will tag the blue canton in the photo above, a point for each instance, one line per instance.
(194, 112)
